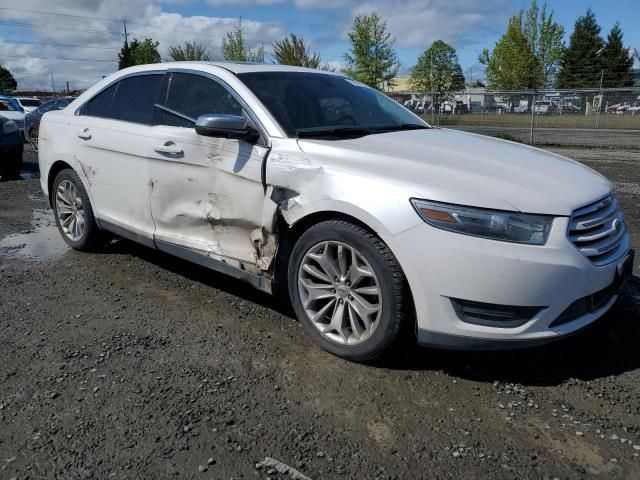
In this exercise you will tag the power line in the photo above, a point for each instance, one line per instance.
(50, 27)
(59, 58)
(60, 14)
(21, 42)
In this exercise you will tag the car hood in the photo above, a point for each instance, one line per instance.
(12, 115)
(465, 168)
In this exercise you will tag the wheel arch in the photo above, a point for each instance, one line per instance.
(54, 170)
(289, 234)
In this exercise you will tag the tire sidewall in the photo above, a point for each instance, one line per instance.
(387, 327)
(89, 224)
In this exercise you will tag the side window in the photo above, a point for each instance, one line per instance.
(135, 98)
(195, 95)
(100, 105)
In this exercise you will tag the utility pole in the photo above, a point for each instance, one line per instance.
(601, 99)
(126, 35)
(433, 104)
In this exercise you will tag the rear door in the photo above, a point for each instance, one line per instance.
(113, 150)
(207, 194)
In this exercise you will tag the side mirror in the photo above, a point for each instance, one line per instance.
(229, 126)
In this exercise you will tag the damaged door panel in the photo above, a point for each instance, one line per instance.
(210, 198)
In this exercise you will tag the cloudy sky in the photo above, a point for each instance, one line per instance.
(78, 40)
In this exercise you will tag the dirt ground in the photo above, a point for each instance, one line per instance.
(131, 364)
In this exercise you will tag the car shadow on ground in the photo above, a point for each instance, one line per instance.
(609, 347)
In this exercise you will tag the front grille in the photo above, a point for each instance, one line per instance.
(598, 231)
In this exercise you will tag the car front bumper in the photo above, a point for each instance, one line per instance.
(442, 266)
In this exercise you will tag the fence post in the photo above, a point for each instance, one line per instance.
(533, 103)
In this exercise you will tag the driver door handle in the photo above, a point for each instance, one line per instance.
(84, 134)
(170, 148)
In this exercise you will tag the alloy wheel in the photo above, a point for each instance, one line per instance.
(340, 292)
(70, 211)
(33, 140)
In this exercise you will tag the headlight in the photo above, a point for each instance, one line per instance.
(494, 224)
(9, 127)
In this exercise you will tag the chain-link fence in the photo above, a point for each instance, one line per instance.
(528, 113)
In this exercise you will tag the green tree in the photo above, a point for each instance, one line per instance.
(372, 58)
(138, 53)
(125, 57)
(581, 66)
(189, 51)
(545, 37)
(7, 82)
(145, 52)
(438, 69)
(616, 61)
(512, 65)
(292, 50)
(236, 49)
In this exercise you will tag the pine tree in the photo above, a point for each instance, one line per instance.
(617, 61)
(7, 82)
(581, 63)
(512, 65)
(125, 57)
(371, 58)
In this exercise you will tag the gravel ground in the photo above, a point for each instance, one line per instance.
(132, 364)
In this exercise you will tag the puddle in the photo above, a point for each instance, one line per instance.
(41, 243)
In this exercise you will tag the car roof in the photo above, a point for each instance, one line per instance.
(234, 67)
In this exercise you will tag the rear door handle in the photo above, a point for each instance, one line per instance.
(84, 134)
(170, 148)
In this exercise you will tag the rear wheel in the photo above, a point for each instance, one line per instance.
(73, 212)
(349, 291)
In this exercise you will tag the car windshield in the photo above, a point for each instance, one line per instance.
(30, 102)
(6, 106)
(310, 104)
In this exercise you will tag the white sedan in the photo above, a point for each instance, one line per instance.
(379, 227)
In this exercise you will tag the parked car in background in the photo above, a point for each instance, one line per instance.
(380, 227)
(32, 119)
(544, 107)
(11, 109)
(28, 104)
(11, 146)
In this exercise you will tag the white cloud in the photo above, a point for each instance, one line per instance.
(244, 2)
(417, 23)
(97, 41)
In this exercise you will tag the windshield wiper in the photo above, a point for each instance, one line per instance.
(339, 132)
(402, 126)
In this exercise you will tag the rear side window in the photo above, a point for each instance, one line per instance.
(194, 95)
(135, 98)
(98, 106)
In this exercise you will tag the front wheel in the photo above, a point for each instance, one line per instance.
(349, 292)
(73, 212)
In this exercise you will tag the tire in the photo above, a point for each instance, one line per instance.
(33, 140)
(358, 340)
(90, 238)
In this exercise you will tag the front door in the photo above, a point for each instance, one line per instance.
(206, 193)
